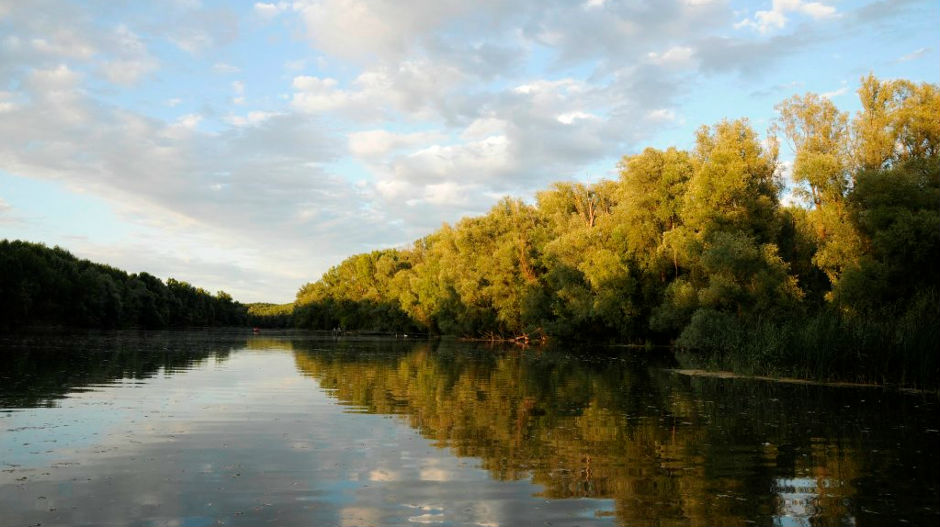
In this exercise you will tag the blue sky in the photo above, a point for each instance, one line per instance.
(249, 146)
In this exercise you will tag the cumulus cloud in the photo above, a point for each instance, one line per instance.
(361, 29)
(677, 56)
(64, 43)
(268, 11)
(418, 90)
(373, 144)
(132, 60)
(314, 95)
(251, 118)
(776, 16)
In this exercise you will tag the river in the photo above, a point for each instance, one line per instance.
(196, 428)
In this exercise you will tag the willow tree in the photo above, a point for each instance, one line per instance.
(652, 186)
(730, 221)
(893, 204)
(493, 265)
(587, 286)
(872, 185)
(821, 139)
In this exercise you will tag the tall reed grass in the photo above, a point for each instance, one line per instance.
(896, 344)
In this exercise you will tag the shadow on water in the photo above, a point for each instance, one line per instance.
(668, 449)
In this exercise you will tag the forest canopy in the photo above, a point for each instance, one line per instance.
(683, 236)
(50, 286)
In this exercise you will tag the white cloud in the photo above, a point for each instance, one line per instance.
(552, 87)
(571, 117)
(189, 121)
(132, 60)
(835, 93)
(64, 43)
(487, 158)
(268, 11)
(315, 94)
(776, 17)
(250, 119)
(447, 193)
(58, 93)
(916, 54)
(221, 67)
(127, 71)
(6, 101)
(485, 127)
(661, 114)
(677, 56)
(192, 41)
(374, 144)
(239, 191)
(360, 29)
(418, 90)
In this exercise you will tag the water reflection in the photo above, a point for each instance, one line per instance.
(667, 449)
(38, 369)
(196, 428)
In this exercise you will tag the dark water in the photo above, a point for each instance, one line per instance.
(215, 428)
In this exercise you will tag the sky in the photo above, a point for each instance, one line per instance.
(250, 146)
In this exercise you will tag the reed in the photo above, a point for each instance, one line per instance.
(896, 345)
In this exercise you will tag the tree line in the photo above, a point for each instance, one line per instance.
(49, 286)
(695, 246)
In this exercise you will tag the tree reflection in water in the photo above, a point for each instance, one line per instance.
(668, 449)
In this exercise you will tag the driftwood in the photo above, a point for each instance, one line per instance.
(523, 339)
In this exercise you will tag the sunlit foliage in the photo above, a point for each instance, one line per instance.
(684, 244)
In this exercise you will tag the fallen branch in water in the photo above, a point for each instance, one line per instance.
(522, 340)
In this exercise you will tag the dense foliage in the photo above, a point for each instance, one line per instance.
(270, 315)
(693, 246)
(43, 286)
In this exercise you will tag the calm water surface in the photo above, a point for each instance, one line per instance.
(224, 428)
